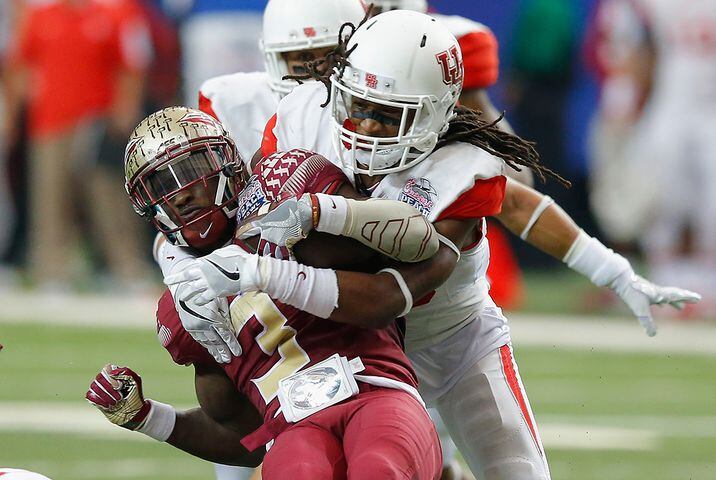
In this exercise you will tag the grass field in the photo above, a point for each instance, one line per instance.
(603, 414)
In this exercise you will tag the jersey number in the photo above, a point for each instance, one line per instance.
(276, 335)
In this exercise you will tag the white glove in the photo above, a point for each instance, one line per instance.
(226, 271)
(604, 268)
(287, 223)
(639, 294)
(209, 324)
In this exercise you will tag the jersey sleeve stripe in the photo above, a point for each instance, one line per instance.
(206, 107)
(269, 141)
(484, 199)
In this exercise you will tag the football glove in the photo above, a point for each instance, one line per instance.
(639, 294)
(226, 271)
(117, 393)
(208, 324)
(287, 222)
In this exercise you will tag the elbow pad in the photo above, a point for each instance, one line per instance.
(390, 227)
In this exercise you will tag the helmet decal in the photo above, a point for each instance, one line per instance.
(451, 63)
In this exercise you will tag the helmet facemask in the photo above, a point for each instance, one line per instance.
(190, 192)
(412, 123)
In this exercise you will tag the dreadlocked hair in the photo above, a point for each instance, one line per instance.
(321, 69)
(468, 126)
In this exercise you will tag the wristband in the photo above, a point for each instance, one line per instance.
(334, 213)
(160, 421)
(591, 258)
(403, 288)
(313, 290)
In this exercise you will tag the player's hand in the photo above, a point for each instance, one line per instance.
(117, 393)
(226, 271)
(210, 325)
(287, 222)
(639, 294)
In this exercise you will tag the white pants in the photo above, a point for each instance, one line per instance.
(490, 420)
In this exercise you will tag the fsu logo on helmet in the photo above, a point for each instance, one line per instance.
(451, 63)
(198, 117)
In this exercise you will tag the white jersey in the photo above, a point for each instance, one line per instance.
(243, 103)
(431, 186)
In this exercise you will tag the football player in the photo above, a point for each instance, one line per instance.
(294, 32)
(184, 173)
(397, 132)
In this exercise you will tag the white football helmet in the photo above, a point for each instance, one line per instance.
(387, 5)
(15, 474)
(405, 61)
(291, 25)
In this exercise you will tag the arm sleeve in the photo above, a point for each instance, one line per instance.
(484, 199)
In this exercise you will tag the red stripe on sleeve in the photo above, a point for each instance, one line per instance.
(479, 56)
(269, 141)
(484, 199)
(206, 107)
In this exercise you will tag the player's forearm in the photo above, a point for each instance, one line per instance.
(197, 434)
(532, 216)
(375, 300)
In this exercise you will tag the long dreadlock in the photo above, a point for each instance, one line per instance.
(467, 125)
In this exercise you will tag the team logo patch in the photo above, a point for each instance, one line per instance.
(420, 194)
(371, 81)
(250, 199)
(198, 117)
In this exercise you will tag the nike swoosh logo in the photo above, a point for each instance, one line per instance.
(235, 276)
(186, 308)
(203, 235)
(333, 204)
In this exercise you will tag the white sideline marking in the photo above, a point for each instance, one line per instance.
(563, 331)
(628, 432)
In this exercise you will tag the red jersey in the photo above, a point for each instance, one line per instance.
(278, 340)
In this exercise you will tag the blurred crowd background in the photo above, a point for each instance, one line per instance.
(619, 95)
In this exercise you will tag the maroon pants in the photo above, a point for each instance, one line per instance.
(380, 434)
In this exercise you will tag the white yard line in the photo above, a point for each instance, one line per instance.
(565, 432)
(563, 331)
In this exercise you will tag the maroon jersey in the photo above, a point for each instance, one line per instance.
(278, 340)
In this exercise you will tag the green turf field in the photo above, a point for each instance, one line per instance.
(602, 415)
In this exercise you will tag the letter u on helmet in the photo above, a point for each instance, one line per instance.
(292, 25)
(177, 153)
(399, 60)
